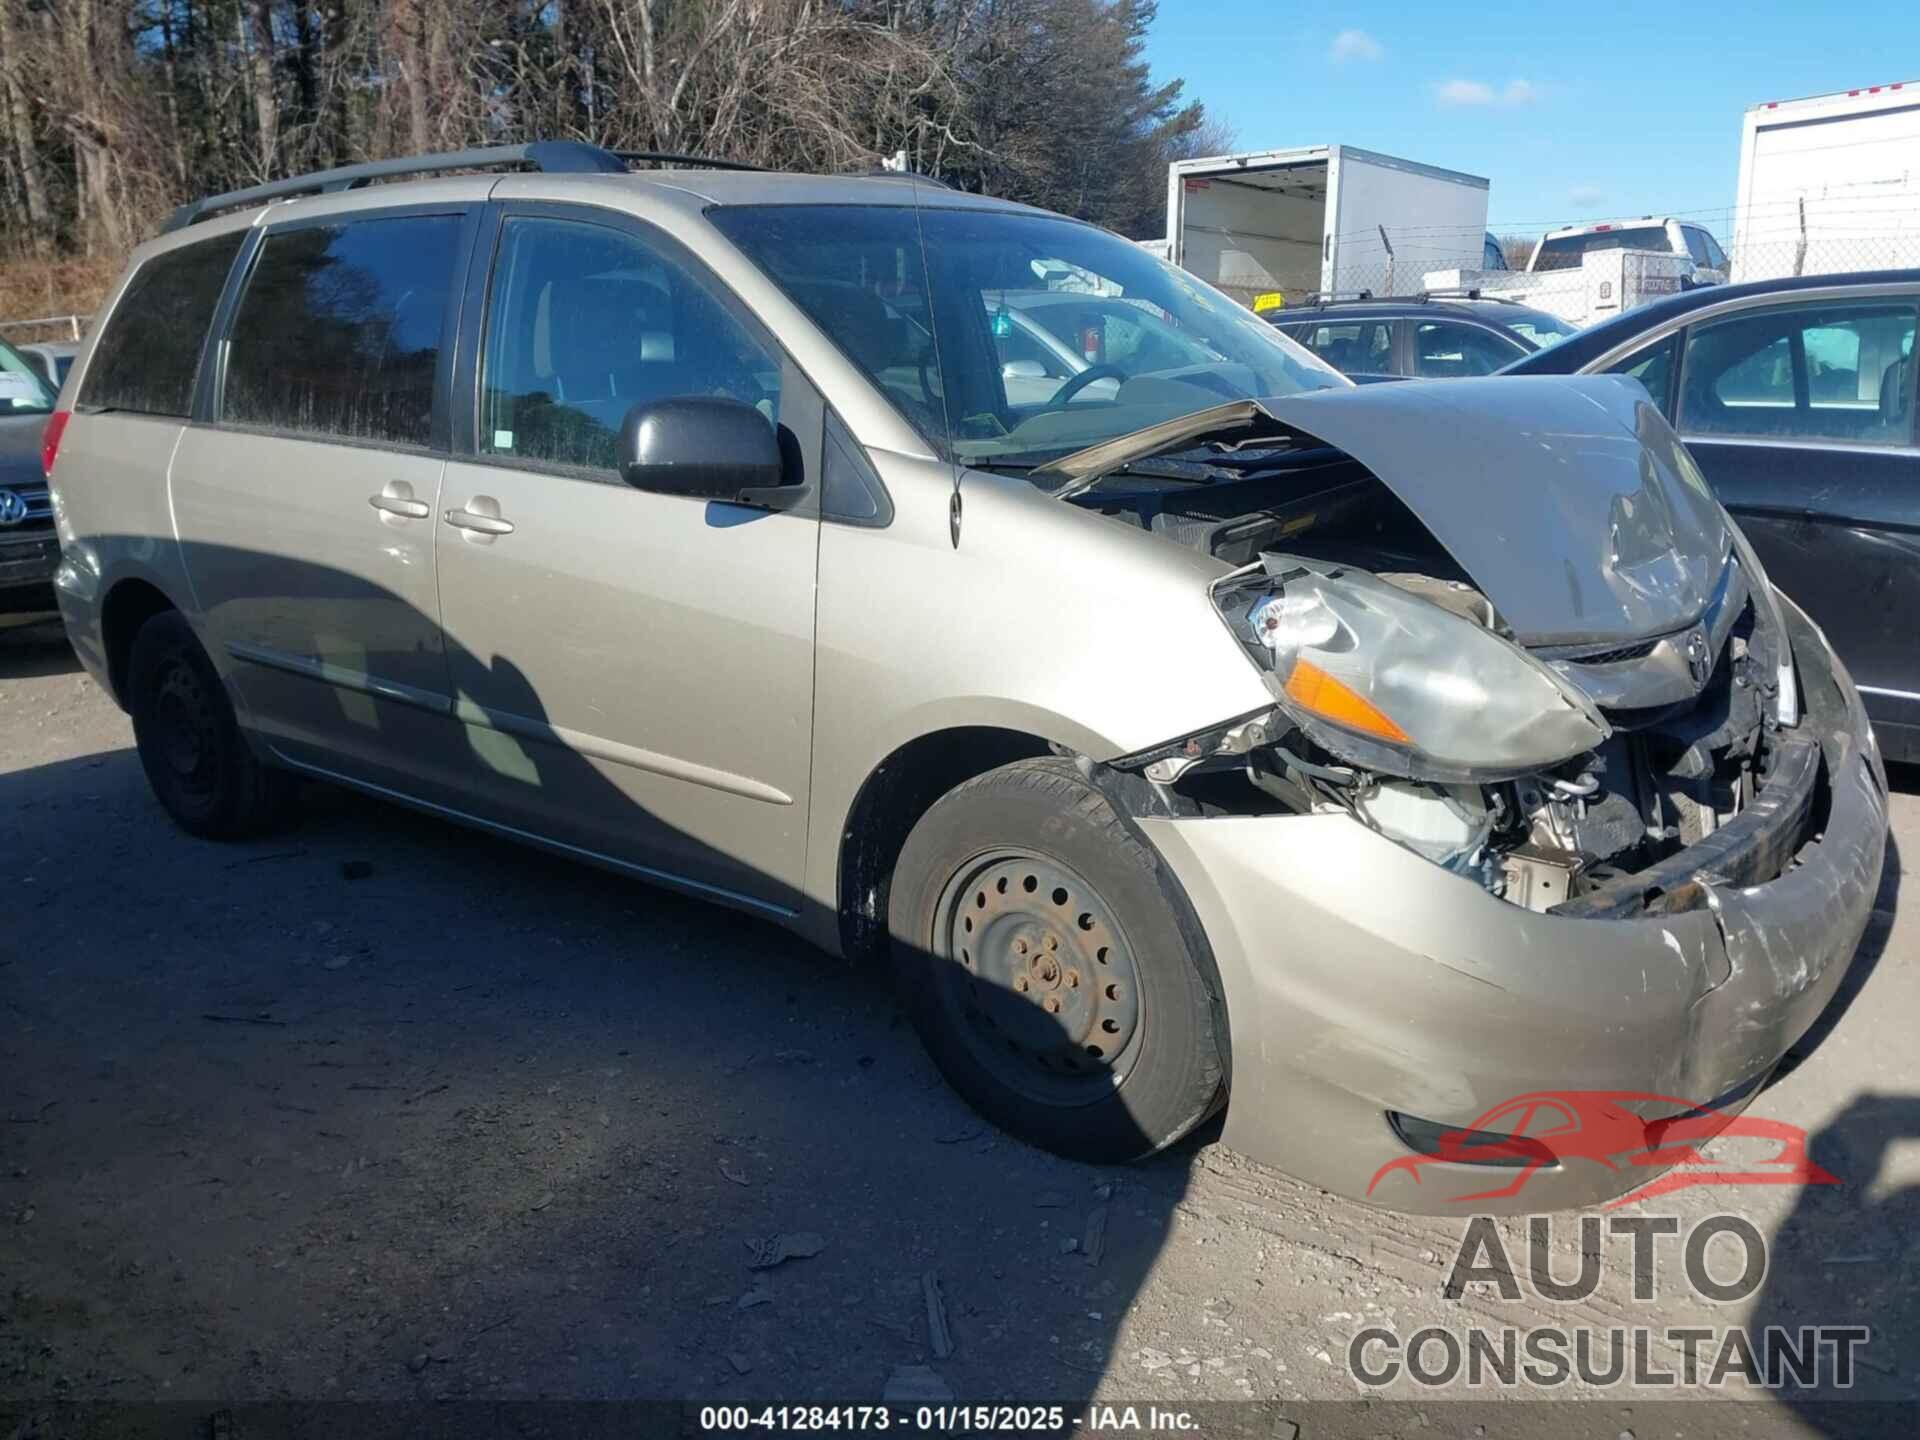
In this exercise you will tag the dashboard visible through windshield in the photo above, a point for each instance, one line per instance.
(1010, 339)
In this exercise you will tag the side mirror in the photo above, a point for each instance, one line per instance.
(707, 448)
(1023, 370)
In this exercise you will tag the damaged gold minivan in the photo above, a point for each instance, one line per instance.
(959, 584)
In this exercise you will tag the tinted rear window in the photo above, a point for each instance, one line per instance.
(1566, 252)
(339, 332)
(146, 358)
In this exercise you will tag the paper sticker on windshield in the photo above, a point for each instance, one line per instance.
(1270, 300)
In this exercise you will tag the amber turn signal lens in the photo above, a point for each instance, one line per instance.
(1312, 689)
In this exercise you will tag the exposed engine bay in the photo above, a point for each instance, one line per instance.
(1547, 773)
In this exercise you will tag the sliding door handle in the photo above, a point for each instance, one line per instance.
(480, 521)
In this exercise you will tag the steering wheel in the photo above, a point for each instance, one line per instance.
(1086, 377)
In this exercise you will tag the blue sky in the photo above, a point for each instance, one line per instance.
(1573, 111)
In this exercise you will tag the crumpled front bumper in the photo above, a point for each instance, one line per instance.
(1361, 979)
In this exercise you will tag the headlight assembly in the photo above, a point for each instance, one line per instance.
(1399, 685)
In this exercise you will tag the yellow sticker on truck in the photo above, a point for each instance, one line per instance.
(1271, 300)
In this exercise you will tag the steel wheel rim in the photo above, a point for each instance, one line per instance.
(185, 730)
(1039, 978)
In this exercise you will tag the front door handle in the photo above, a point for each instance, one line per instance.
(396, 498)
(482, 516)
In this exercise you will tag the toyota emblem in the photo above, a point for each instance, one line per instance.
(13, 508)
(1699, 663)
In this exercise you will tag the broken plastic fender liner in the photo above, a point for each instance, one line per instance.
(1312, 689)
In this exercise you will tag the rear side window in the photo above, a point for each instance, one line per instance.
(1827, 372)
(1653, 368)
(1448, 350)
(340, 329)
(149, 353)
(1364, 347)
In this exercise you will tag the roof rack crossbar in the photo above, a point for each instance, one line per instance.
(549, 156)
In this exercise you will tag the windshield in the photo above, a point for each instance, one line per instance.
(1564, 252)
(1539, 327)
(22, 391)
(1009, 340)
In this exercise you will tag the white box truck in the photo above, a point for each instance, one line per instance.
(1829, 184)
(1324, 218)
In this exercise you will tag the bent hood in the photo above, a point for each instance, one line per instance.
(1569, 500)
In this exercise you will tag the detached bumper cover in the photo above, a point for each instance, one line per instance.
(1361, 979)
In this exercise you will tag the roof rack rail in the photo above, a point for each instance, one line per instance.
(667, 157)
(1469, 292)
(887, 172)
(1336, 297)
(548, 156)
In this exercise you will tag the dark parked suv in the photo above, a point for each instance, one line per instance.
(28, 550)
(1423, 337)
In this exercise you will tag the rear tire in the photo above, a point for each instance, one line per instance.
(1053, 969)
(197, 761)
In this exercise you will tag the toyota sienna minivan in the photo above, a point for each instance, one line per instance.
(1225, 735)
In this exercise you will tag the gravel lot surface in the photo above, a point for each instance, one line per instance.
(383, 1110)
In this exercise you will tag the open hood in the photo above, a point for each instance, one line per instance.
(1569, 500)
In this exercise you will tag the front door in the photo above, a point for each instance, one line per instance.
(1802, 419)
(632, 672)
(305, 510)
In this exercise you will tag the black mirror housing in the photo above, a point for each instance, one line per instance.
(707, 448)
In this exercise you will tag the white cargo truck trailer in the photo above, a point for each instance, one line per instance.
(1322, 218)
(1829, 184)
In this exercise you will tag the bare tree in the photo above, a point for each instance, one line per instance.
(112, 110)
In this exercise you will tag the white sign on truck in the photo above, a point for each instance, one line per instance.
(1323, 218)
(1829, 184)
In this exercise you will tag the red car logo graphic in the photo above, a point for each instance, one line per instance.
(1548, 1128)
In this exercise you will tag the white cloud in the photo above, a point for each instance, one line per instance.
(1478, 92)
(1586, 196)
(1355, 45)
(1463, 92)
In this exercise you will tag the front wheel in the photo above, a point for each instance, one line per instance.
(1051, 969)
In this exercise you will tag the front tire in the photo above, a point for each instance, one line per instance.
(1052, 968)
(199, 764)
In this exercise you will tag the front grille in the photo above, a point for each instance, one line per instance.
(1619, 654)
(39, 507)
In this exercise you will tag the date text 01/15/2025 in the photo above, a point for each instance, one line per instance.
(944, 1419)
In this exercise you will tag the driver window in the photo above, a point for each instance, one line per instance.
(584, 322)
